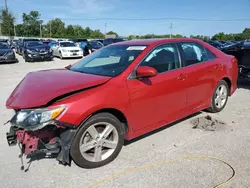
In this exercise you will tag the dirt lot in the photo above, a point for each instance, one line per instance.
(145, 161)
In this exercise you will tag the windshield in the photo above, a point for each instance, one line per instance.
(4, 46)
(30, 44)
(109, 61)
(96, 44)
(67, 44)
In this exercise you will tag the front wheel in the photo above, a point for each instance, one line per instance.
(220, 97)
(60, 55)
(98, 141)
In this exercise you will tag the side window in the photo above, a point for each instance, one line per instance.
(163, 58)
(193, 53)
(210, 55)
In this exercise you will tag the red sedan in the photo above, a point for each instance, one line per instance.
(121, 91)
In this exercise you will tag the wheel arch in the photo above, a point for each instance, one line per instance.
(117, 113)
(229, 83)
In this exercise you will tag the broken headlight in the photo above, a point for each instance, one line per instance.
(34, 119)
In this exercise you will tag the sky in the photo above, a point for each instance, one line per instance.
(207, 16)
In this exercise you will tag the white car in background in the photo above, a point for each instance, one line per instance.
(66, 49)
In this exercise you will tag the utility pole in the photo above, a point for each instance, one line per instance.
(105, 29)
(14, 30)
(41, 31)
(171, 30)
(6, 6)
(7, 13)
(50, 29)
(41, 22)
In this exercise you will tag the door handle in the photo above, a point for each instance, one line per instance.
(182, 77)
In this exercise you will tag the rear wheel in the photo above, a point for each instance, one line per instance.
(220, 97)
(98, 142)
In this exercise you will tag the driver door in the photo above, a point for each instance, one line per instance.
(158, 100)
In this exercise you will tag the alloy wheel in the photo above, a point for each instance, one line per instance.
(221, 96)
(99, 142)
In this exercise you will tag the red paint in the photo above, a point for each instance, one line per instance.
(145, 71)
(147, 103)
(38, 88)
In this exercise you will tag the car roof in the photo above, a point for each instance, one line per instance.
(148, 42)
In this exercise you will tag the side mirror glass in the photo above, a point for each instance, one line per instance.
(145, 72)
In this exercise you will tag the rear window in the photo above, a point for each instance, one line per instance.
(210, 55)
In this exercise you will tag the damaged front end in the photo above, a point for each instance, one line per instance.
(37, 131)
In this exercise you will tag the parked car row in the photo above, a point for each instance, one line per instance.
(222, 44)
(33, 49)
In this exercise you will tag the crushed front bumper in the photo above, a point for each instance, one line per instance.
(49, 140)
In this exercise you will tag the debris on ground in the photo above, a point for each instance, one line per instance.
(206, 123)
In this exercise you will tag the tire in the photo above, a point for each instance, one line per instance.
(215, 106)
(60, 55)
(88, 159)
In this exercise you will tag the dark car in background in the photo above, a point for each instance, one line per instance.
(78, 41)
(216, 44)
(7, 54)
(109, 41)
(241, 51)
(47, 42)
(95, 45)
(100, 40)
(36, 51)
(20, 48)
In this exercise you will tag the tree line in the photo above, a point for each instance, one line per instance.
(33, 26)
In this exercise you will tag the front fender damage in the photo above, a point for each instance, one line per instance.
(51, 140)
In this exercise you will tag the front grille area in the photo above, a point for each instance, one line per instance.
(42, 50)
(74, 50)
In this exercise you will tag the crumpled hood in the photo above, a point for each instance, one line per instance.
(39, 88)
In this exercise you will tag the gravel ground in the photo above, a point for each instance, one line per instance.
(230, 143)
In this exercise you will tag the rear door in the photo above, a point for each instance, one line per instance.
(202, 70)
(161, 99)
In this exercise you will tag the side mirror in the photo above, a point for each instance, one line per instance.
(145, 72)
